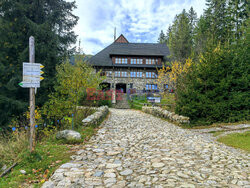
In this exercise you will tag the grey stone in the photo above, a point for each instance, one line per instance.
(110, 175)
(48, 184)
(126, 172)
(98, 150)
(187, 185)
(70, 165)
(158, 165)
(23, 171)
(182, 175)
(110, 180)
(68, 135)
(111, 165)
(98, 173)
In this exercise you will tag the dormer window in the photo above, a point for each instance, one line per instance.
(121, 60)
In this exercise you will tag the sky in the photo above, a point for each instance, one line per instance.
(138, 20)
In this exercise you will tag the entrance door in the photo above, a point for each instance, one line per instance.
(121, 87)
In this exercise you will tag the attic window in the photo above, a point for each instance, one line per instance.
(136, 61)
(151, 61)
(121, 60)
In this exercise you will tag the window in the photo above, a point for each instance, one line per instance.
(151, 87)
(139, 74)
(121, 60)
(136, 74)
(123, 74)
(148, 74)
(155, 75)
(120, 74)
(135, 61)
(151, 61)
(109, 73)
(151, 75)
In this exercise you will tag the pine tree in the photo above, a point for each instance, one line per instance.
(201, 36)
(180, 39)
(162, 38)
(192, 15)
(216, 15)
(51, 23)
(168, 34)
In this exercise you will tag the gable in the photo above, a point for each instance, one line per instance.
(121, 39)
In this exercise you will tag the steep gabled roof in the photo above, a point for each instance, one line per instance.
(121, 39)
(103, 58)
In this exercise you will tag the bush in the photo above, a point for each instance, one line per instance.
(104, 103)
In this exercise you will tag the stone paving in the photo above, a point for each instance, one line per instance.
(134, 149)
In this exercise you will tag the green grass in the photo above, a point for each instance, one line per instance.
(138, 103)
(38, 165)
(237, 140)
(49, 155)
(168, 102)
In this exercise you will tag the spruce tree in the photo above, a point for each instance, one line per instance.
(51, 23)
(162, 38)
(180, 40)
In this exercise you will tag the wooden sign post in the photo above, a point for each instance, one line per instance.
(32, 97)
(31, 79)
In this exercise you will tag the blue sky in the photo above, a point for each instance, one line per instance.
(137, 20)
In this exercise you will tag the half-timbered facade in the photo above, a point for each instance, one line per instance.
(130, 65)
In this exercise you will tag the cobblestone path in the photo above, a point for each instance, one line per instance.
(133, 149)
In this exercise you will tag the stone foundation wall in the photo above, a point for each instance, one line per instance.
(159, 112)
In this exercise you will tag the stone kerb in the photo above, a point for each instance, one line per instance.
(96, 117)
(159, 112)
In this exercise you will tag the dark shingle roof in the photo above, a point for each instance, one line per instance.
(103, 58)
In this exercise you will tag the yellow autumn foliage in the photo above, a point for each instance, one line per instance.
(170, 76)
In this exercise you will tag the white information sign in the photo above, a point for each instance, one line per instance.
(28, 85)
(32, 75)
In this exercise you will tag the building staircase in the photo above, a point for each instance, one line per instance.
(122, 103)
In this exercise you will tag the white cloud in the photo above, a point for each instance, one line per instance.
(138, 20)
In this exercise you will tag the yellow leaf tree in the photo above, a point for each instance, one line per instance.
(170, 76)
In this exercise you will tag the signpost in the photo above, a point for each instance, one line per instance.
(32, 75)
(31, 79)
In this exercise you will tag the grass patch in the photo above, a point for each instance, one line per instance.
(168, 102)
(237, 140)
(38, 165)
(138, 102)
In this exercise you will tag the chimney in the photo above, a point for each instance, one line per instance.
(115, 34)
